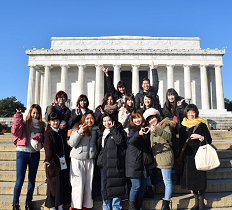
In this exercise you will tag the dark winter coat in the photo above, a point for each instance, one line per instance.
(193, 179)
(98, 115)
(75, 117)
(135, 167)
(152, 91)
(112, 89)
(114, 179)
(179, 113)
(50, 145)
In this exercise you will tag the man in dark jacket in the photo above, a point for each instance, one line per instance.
(148, 89)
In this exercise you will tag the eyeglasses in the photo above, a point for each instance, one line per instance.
(62, 98)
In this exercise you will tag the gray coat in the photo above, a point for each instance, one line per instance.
(84, 147)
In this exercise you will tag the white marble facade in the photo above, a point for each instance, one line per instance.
(73, 64)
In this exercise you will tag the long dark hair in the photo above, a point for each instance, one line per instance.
(104, 102)
(171, 107)
(152, 105)
(129, 96)
(81, 98)
(120, 84)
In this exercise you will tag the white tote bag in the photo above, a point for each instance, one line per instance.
(206, 158)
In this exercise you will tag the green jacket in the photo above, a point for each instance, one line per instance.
(161, 144)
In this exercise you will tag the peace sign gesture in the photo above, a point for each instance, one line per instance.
(105, 70)
(82, 129)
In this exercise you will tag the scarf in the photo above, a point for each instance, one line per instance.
(191, 123)
(35, 123)
(105, 133)
(110, 108)
(62, 110)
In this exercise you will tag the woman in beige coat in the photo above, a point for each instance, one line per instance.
(160, 136)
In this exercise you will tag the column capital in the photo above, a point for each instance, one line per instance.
(170, 66)
(218, 65)
(98, 65)
(48, 66)
(64, 65)
(155, 65)
(81, 66)
(117, 65)
(203, 65)
(135, 65)
(186, 65)
(31, 66)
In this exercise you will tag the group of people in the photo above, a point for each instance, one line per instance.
(120, 144)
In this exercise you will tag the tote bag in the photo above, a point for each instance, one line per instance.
(206, 158)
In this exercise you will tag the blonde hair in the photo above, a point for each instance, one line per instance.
(28, 121)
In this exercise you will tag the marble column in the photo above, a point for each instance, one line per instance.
(41, 89)
(81, 80)
(219, 87)
(31, 87)
(170, 76)
(135, 79)
(37, 87)
(47, 88)
(64, 78)
(187, 83)
(204, 88)
(99, 87)
(116, 75)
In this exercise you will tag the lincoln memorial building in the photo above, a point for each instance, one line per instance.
(73, 64)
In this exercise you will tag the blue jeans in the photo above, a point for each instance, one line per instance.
(167, 177)
(138, 188)
(116, 202)
(24, 159)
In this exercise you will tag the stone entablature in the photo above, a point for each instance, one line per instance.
(125, 42)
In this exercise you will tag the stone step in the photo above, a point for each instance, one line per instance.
(11, 166)
(217, 201)
(12, 155)
(212, 186)
(219, 173)
(10, 176)
(7, 188)
(224, 154)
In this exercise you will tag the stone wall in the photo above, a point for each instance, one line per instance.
(7, 121)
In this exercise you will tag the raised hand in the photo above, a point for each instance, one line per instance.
(100, 109)
(53, 103)
(153, 65)
(142, 106)
(18, 111)
(105, 70)
(180, 102)
(82, 129)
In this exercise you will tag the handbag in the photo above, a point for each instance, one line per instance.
(181, 156)
(206, 158)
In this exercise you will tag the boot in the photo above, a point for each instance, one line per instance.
(16, 207)
(196, 206)
(149, 193)
(165, 205)
(28, 206)
(201, 202)
(132, 205)
(139, 204)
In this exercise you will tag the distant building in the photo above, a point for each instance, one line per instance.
(73, 64)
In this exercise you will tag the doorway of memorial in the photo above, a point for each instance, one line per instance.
(126, 77)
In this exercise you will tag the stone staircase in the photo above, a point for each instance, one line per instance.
(218, 194)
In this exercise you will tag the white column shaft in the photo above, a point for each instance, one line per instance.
(37, 87)
(41, 89)
(31, 87)
(116, 75)
(170, 80)
(219, 88)
(135, 79)
(81, 80)
(99, 91)
(47, 88)
(204, 88)
(187, 83)
(64, 78)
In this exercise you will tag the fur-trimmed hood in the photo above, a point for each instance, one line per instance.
(167, 122)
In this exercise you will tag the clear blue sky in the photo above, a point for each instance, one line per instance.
(32, 23)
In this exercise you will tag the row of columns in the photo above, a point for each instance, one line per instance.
(43, 81)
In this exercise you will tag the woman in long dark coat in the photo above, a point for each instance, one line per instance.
(55, 146)
(196, 129)
(112, 144)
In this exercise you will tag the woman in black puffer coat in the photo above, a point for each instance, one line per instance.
(112, 144)
(136, 166)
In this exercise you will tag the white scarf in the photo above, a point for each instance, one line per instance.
(105, 133)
